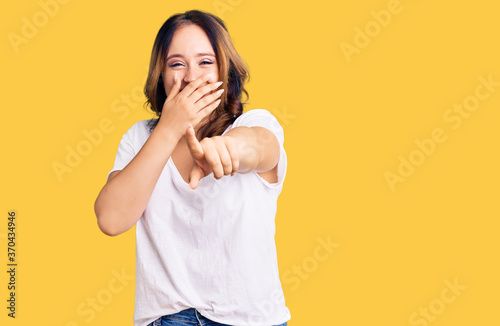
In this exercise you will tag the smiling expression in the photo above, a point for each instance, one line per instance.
(190, 56)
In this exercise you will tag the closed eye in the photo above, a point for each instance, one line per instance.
(203, 62)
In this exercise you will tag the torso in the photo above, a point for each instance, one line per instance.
(182, 159)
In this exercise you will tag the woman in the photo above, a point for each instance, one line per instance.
(204, 243)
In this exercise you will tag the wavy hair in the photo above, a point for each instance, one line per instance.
(233, 71)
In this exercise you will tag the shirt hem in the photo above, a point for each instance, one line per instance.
(207, 315)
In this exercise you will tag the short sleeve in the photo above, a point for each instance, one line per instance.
(126, 151)
(264, 118)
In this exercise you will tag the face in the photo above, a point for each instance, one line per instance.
(190, 55)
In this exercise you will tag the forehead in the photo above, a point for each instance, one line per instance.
(190, 39)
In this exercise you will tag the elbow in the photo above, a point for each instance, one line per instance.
(106, 229)
(270, 155)
(104, 221)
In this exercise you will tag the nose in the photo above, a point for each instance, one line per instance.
(191, 74)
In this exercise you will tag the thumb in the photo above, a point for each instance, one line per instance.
(195, 176)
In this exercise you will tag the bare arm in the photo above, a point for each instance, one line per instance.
(125, 196)
(241, 149)
(256, 147)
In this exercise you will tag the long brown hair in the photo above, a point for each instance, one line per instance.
(233, 71)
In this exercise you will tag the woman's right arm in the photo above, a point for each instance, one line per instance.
(124, 197)
(126, 194)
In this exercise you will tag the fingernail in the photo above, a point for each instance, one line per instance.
(217, 102)
(220, 91)
(210, 75)
(175, 76)
(217, 84)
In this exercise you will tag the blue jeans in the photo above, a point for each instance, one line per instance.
(188, 317)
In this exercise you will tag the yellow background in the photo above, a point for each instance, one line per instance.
(346, 124)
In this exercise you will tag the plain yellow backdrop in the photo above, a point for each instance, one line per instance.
(389, 212)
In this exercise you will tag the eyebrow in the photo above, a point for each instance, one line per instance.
(201, 54)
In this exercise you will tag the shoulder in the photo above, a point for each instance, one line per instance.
(254, 116)
(140, 127)
(259, 118)
(144, 124)
(137, 134)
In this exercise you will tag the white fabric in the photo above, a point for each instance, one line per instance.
(211, 248)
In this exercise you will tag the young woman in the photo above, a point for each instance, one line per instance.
(201, 184)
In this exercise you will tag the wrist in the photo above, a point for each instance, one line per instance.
(168, 132)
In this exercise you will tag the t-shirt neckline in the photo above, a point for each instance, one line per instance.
(177, 176)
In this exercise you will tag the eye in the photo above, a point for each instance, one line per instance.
(204, 62)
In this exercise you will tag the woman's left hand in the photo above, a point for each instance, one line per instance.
(213, 154)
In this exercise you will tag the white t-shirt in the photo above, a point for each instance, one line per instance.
(211, 248)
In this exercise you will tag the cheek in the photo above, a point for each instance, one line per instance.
(168, 79)
(168, 87)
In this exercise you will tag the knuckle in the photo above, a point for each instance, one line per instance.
(216, 95)
(213, 162)
(227, 165)
(206, 141)
(190, 116)
(229, 141)
(204, 102)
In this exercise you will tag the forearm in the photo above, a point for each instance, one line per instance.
(256, 148)
(124, 197)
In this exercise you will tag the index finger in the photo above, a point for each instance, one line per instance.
(175, 87)
(193, 144)
(192, 86)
